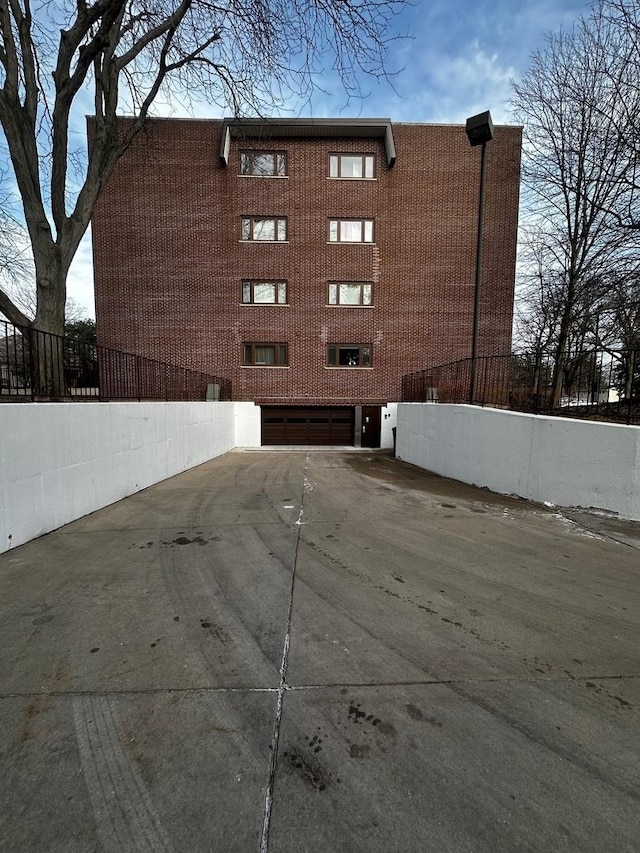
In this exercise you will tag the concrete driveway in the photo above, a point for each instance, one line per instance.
(292, 651)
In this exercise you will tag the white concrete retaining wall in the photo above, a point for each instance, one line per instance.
(562, 461)
(389, 417)
(60, 461)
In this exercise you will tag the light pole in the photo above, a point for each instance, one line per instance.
(479, 131)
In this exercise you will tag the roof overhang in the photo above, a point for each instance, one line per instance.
(282, 128)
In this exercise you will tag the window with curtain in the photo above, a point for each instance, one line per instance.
(351, 230)
(350, 293)
(352, 166)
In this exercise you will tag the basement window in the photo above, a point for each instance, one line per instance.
(349, 355)
(265, 355)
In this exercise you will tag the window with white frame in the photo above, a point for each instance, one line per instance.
(350, 293)
(265, 355)
(264, 292)
(263, 164)
(268, 229)
(352, 166)
(351, 230)
(349, 355)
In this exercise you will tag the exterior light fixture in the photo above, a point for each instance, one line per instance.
(479, 131)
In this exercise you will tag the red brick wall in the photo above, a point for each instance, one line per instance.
(169, 261)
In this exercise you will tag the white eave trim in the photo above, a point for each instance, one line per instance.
(275, 128)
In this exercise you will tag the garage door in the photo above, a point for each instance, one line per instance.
(307, 426)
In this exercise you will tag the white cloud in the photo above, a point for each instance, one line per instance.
(470, 83)
(448, 89)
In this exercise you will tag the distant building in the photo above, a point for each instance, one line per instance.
(311, 261)
(14, 361)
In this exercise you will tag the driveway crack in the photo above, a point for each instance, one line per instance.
(283, 686)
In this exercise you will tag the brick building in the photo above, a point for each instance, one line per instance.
(311, 261)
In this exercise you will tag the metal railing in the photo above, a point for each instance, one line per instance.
(36, 365)
(594, 384)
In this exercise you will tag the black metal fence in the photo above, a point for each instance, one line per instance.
(35, 365)
(595, 384)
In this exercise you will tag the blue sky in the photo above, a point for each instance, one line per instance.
(459, 58)
(458, 61)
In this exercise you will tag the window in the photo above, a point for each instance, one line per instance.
(351, 166)
(349, 355)
(265, 228)
(263, 164)
(264, 292)
(351, 230)
(350, 293)
(265, 355)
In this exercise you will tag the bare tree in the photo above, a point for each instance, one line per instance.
(242, 53)
(540, 301)
(577, 167)
(17, 277)
(15, 257)
(618, 322)
(622, 72)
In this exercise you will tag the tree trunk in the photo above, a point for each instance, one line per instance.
(563, 337)
(558, 367)
(629, 371)
(47, 332)
(51, 285)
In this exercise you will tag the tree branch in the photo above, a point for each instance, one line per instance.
(170, 23)
(12, 312)
(9, 54)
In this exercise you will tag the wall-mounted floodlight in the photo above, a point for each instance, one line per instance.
(480, 129)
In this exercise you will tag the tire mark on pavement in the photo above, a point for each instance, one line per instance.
(585, 759)
(126, 819)
(216, 630)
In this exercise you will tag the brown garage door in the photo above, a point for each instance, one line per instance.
(307, 426)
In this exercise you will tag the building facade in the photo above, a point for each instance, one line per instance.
(313, 262)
